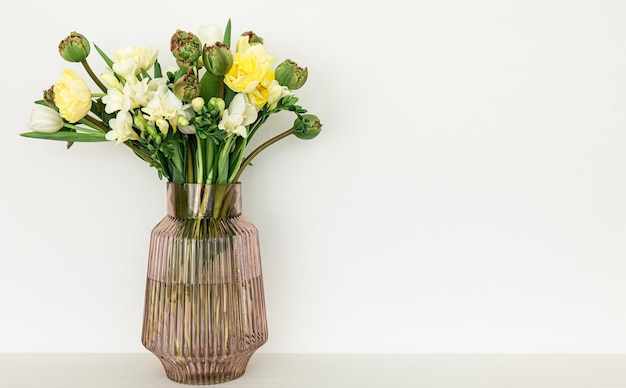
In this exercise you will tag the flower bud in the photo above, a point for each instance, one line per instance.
(289, 74)
(48, 96)
(218, 104)
(185, 66)
(217, 58)
(152, 130)
(182, 121)
(253, 38)
(307, 126)
(111, 80)
(74, 48)
(197, 104)
(163, 125)
(187, 87)
(185, 46)
(44, 119)
(140, 122)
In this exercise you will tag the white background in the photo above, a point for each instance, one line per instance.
(467, 193)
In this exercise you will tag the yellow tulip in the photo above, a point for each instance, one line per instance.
(72, 96)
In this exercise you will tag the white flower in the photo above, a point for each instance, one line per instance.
(209, 34)
(121, 128)
(163, 108)
(44, 119)
(127, 69)
(139, 93)
(115, 100)
(111, 80)
(130, 96)
(275, 93)
(187, 113)
(239, 114)
(130, 60)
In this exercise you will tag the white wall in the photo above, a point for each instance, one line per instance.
(466, 195)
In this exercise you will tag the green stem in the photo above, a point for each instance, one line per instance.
(199, 161)
(210, 154)
(189, 177)
(258, 150)
(238, 154)
(90, 124)
(220, 87)
(223, 162)
(83, 129)
(139, 152)
(93, 76)
(97, 123)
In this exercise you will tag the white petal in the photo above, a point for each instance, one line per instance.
(44, 119)
(209, 34)
(249, 115)
(241, 131)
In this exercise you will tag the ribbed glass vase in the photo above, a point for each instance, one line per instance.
(204, 312)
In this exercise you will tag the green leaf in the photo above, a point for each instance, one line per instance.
(157, 70)
(229, 94)
(66, 136)
(108, 60)
(227, 34)
(209, 86)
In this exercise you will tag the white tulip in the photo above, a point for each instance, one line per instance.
(209, 34)
(44, 119)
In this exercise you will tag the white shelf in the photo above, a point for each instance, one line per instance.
(43, 370)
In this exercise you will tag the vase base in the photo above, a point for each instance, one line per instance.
(206, 372)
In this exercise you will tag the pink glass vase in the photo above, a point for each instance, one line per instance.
(204, 312)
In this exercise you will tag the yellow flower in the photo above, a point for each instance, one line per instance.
(259, 96)
(72, 96)
(251, 70)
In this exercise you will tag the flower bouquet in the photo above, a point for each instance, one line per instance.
(192, 122)
(204, 312)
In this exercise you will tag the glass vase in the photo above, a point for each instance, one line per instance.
(204, 312)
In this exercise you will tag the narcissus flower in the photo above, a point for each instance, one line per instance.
(72, 96)
(44, 119)
(251, 65)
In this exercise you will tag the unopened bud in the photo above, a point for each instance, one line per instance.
(217, 58)
(152, 131)
(74, 48)
(218, 104)
(182, 121)
(289, 74)
(187, 87)
(140, 122)
(307, 126)
(48, 96)
(185, 46)
(253, 38)
(197, 104)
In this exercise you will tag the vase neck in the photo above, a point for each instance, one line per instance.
(191, 200)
